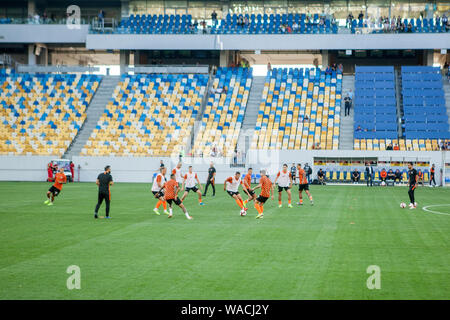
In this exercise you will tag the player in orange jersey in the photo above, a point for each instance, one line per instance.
(284, 179)
(170, 195)
(303, 185)
(266, 191)
(248, 186)
(55, 189)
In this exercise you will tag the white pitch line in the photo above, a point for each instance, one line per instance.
(436, 212)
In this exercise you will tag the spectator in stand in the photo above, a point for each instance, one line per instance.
(101, 19)
(214, 17)
(383, 175)
(409, 28)
(361, 16)
(396, 147)
(340, 68)
(246, 22)
(349, 20)
(328, 70)
(288, 29)
(390, 175)
(348, 104)
(204, 26)
(355, 176)
(269, 68)
(398, 176)
(161, 164)
(321, 176)
(389, 147)
(333, 19)
(295, 27)
(36, 18)
(359, 129)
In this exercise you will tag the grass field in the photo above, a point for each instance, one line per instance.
(308, 252)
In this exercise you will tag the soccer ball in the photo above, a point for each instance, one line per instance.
(243, 212)
(402, 205)
(383, 183)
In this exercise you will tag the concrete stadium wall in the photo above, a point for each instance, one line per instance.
(140, 169)
(22, 168)
(269, 42)
(44, 33)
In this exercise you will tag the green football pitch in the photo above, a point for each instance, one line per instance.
(308, 252)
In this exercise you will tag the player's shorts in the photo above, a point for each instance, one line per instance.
(177, 201)
(54, 190)
(251, 192)
(232, 193)
(158, 194)
(283, 188)
(194, 188)
(262, 199)
(304, 187)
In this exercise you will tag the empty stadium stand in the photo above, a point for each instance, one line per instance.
(148, 115)
(251, 23)
(274, 24)
(300, 109)
(158, 24)
(224, 112)
(375, 109)
(425, 113)
(41, 114)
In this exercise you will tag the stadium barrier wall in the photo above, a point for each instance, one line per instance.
(141, 169)
(169, 69)
(24, 168)
(52, 69)
(268, 42)
(44, 33)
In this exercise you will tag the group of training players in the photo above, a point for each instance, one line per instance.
(190, 181)
(166, 191)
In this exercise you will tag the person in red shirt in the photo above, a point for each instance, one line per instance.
(266, 191)
(55, 189)
(170, 195)
(49, 172)
(72, 171)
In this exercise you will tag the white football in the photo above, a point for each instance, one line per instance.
(383, 183)
(243, 212)
(402, 205)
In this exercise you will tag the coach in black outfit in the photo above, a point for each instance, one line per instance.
(211, 179)
(369, 174)
(104, 181)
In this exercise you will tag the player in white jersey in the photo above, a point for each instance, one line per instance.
(178, 175)
(158, 183)
(231, 186)
(284, 179)
(190, 180)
